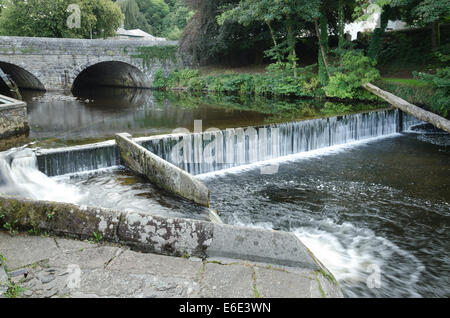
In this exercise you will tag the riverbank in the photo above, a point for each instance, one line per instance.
(53, 266)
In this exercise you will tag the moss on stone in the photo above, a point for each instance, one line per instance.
(38, 216)
(322, 292)
(149, 53)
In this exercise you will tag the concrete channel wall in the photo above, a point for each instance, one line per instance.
(13, 117)
(161, 172)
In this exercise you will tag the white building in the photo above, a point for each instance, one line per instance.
(373, 21)
(135, 34)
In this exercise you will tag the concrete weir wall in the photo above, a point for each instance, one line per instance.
(13, 117)
(161, 172)
(167, 236)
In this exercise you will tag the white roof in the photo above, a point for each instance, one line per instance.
(138, 34)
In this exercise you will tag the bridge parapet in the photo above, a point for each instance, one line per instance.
(56, 63)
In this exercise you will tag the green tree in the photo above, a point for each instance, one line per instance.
(48, 18)
(154, 11)
(177, 19)
(432, 13)
(424, 13)
(291, 15)
(134, 18)
(205, 41)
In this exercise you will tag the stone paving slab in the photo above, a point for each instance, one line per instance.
(233, 281)
(26, 250)
(159, 265)
(69, 268)
(270, 281)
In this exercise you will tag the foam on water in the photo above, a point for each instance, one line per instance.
(352, 254)
(294, 157)
(19, 175)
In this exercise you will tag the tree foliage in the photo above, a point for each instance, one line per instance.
(159, 17)
(440, 81)
(349, 72)
(134, 18)
(208, 42)
(289, 16)
(99, 18)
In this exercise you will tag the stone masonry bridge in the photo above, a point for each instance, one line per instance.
(65, 64)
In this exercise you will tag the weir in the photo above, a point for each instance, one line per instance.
(216, 150)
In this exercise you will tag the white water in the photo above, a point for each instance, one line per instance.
(350, 253)
(213, 151)
(294, 157)
(19, 175)
(363, 249)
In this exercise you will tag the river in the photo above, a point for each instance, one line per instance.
(363, 197)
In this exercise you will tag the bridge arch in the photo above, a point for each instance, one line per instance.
(111, 73)
(21, 77)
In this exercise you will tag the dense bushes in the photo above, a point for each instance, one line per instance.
(349, 71)
(278, 81)
(408, 49)
(430, 90)
(439, 80)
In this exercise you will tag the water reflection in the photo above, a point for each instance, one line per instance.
(97, 114)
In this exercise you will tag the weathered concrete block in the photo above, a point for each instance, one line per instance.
(258, 245)
(219, 280)
(161, 235)
(163, 173)
(13, 117)
(165, 235)
(158, 265)
(59, 218)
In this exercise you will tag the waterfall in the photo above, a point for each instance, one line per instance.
(20, 176)
(56, 162)
(216, 150)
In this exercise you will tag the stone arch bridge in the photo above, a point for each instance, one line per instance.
(63, 64)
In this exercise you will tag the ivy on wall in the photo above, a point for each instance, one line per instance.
(163, 53)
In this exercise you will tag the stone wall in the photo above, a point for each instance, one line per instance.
(13, 117)
(56, 63)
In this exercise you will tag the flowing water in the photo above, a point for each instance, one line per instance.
(126, 192)
(368, 199)
(385, 202)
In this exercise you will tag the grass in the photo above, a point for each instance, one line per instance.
(221, 70)
(97, 237)
(404, 81)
